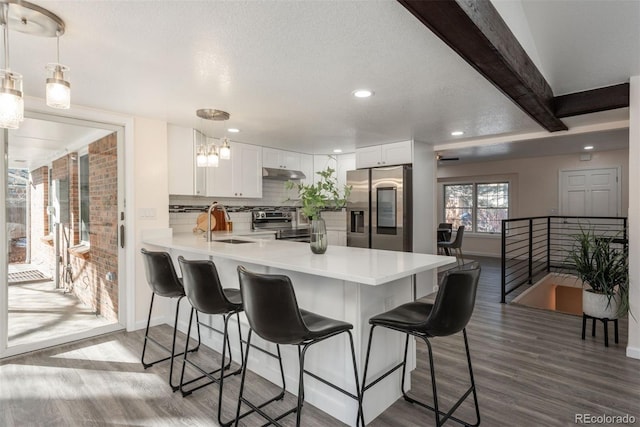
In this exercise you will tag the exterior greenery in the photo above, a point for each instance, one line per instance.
(324, 194)
(603, 268)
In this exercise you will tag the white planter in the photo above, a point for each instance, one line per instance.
(597, 305)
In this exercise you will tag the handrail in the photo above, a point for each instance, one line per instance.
(534, 246)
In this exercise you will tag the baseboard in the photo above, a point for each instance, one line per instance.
(155, 321)
(633, 352)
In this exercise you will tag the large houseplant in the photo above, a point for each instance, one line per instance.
(324, 194)
(604, 271)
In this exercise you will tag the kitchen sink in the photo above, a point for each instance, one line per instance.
(233, 241)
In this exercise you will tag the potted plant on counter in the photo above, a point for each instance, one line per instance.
(604, 271)
(324, 194)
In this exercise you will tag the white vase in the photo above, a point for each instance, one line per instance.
(599, 306)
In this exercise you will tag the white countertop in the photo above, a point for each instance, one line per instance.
(367, 266)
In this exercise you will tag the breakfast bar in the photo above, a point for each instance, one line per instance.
(346, 283)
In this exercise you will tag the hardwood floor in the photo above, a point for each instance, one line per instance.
(531, 369)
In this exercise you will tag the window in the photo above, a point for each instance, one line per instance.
(480, 207)
(83, 178)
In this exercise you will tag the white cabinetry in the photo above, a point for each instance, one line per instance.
(219, 180)
(341, 163)
(281, 159)
(247, 171)
(184, 177)
(397, 153)
(241, 176)
(346, 162)
(306, 166)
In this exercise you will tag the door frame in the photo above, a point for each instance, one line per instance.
(123, 126)
(618, 185)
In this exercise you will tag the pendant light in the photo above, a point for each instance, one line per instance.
(11, 101)
(207, 154)
(33, 20)
(58, 89)
(225, 150)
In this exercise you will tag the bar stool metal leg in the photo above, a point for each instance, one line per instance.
(172, 353)
(257, 408)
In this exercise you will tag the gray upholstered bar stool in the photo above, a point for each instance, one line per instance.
(163, 280)
(273, 314)
(448, 315)
(206, 295)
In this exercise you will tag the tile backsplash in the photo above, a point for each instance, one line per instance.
(274, 194)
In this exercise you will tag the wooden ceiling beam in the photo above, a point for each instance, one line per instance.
(477, 32)
(592, 101)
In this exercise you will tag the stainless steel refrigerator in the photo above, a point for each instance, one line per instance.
(379, 212)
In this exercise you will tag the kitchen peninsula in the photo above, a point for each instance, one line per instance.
(351, 284)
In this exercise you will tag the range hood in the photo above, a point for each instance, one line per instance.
(281, 174)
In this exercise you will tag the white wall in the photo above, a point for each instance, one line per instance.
(633, 345)
(424, 211)
(151, 186)
(534, 186)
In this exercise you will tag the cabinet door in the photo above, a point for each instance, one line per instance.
(346, 162)
(219, 180)
(181, 160)
(306, 166)
(291, 160)
(200, 173)
(368, 157)
(321, 163)
(271, 158)
(247, 170)
(397, 153)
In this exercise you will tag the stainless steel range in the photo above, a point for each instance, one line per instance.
(282, 222)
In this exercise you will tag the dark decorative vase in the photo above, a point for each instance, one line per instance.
(319, 240)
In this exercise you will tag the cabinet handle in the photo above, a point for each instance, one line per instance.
(241, 194)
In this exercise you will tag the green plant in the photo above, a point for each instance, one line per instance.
(324, 194)
(601, 267)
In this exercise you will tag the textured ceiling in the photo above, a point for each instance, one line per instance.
(285, 70)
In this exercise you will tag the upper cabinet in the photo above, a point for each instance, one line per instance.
(247, 170)
(241, 176)
(281, 159)
(397, 153)
(184, 177)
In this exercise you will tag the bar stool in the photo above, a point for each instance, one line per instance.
(163, 281)
(448, 315)
(206, 295)
(273, 313)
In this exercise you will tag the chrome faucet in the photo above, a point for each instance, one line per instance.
(213, 206)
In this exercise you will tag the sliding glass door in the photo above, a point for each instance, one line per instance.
(63, 192)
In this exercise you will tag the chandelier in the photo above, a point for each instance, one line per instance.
(208, 154)
(30, 19)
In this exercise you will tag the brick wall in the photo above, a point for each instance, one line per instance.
(89, 271)
(103, 220)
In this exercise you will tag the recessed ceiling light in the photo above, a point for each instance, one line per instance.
(233, 130)
(457, 133)
(362, 93)
(337, 150)
(588, 147)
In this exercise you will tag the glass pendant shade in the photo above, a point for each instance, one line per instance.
(225, 150)
(58, 89)
(201, 157)
(11, 102)
(212, 157)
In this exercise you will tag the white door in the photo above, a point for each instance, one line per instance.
(590, 192)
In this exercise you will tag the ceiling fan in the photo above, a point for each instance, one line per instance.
(442, 158)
